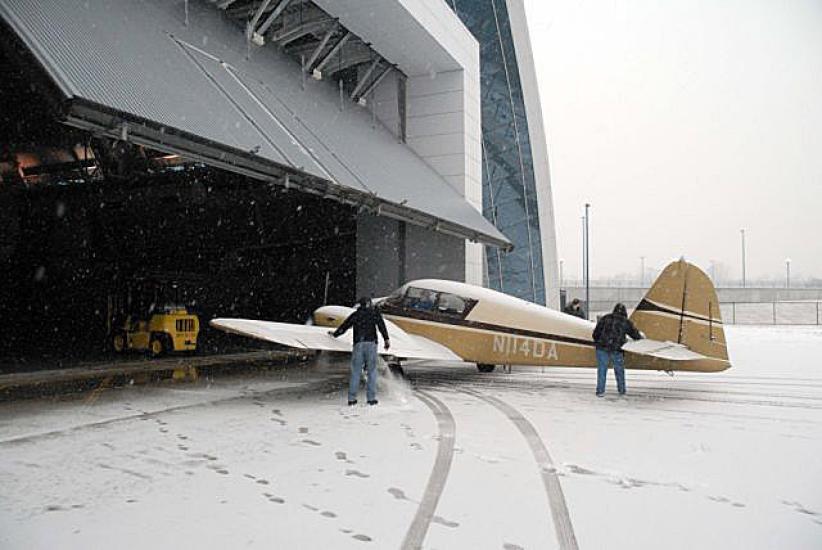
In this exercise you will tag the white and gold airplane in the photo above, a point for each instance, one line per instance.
(450, 321)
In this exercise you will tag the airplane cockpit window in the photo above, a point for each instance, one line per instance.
(451, 304)
(420, 299)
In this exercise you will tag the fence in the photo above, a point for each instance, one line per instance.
(752, 313)
(772, 313)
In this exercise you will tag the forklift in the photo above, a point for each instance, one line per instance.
(144, 317)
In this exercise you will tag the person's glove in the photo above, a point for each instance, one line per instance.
(387, 344)
(333, 333)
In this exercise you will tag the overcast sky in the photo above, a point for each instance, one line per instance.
(682, 121)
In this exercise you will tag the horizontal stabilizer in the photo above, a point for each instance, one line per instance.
(670, 351)
(310, 337)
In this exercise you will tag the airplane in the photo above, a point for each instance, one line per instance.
(440, 320)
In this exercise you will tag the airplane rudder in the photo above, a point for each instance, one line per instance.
(682, 306)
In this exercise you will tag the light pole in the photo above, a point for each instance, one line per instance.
(584, 255)
(561, 280)
(587, 266)
(787, 273)
(742, 231)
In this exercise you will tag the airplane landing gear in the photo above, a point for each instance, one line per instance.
(396, 369)
(482, 367)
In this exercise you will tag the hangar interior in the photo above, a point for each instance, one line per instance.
(80, 233)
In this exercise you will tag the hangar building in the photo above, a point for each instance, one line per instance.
(264, 156)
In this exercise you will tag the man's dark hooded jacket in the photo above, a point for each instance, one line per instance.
(365, 320)
(611, 329)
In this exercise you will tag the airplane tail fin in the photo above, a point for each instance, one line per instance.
(682, 307)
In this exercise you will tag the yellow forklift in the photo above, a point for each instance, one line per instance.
(143, 318)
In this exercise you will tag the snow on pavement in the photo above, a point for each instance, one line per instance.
(278, 460)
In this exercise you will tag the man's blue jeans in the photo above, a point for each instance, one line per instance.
(363, 354)
(616, 359)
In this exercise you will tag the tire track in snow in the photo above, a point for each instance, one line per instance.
(415, 535)
(556, 499)
(679, 394)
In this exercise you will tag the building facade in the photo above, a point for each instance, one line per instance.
(515, 179)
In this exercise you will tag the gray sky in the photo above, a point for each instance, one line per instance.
(682, 121)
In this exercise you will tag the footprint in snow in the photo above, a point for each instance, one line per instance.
(573, 468)
(311, 442)
(445, 522)
(512, 546)
(796, 505)
(303, 430)
(363, 538)
(356, 473)
(398, 494)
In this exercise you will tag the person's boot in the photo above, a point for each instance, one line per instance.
(352, 402)
(372, 401)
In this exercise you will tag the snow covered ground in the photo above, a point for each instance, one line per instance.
(452, 459)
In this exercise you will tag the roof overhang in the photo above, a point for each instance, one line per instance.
(187, 83)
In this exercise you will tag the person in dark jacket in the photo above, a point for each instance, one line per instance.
(365, 321)
(575, 309)
(609, 335)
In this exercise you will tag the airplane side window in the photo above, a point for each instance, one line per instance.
(451, 304)
(420, 299)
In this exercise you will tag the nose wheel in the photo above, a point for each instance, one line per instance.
(482, 367)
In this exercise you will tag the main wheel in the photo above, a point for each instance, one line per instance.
(482, 367)
(396, 369)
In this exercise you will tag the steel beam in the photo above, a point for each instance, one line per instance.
(364, 79)
(340, 43)
(252, 25)
(309, 64)
(273, 16)
(285, 36)
(374, 84)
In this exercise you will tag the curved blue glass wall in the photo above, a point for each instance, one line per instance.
(509, 190)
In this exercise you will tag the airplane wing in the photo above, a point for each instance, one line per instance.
(663, 350)
(310, 337)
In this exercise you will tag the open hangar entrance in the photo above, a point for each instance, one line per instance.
(185, 158)
(89, 222)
